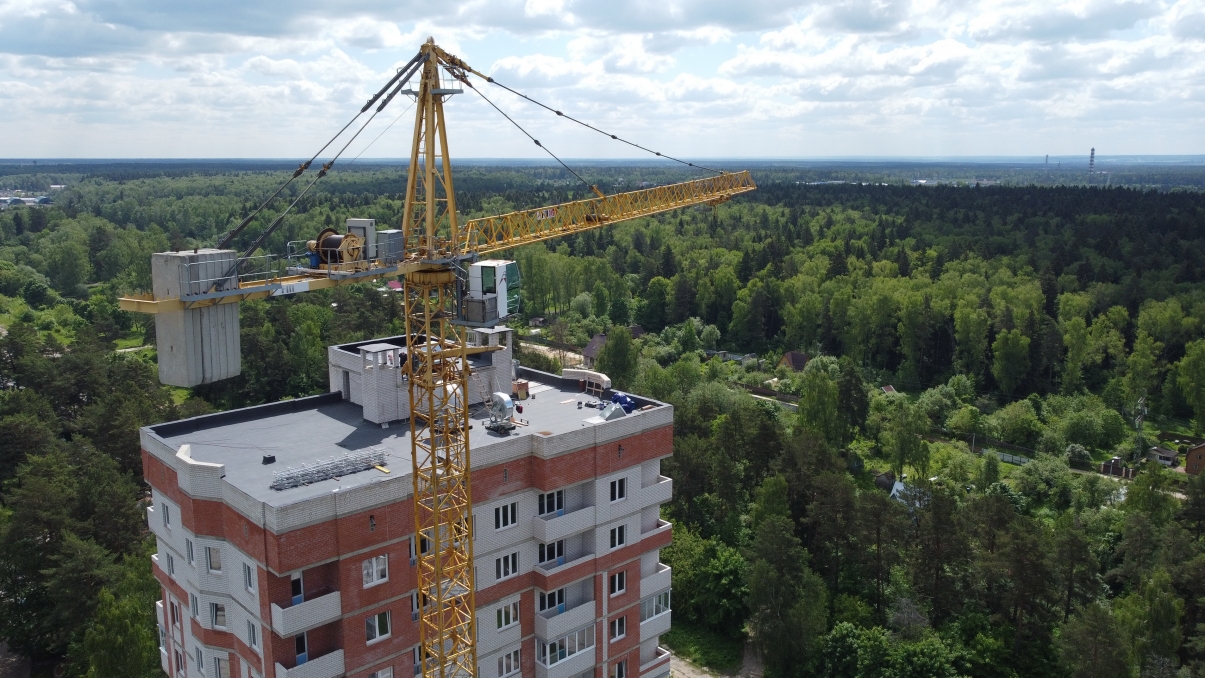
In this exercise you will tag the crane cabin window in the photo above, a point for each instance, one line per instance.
(489, 283)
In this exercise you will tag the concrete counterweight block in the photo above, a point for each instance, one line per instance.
(196, 345)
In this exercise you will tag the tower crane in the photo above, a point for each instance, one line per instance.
(433, 253)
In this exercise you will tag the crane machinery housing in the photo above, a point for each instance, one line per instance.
(452, 295)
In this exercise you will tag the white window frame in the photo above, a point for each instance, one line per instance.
(619, 583)
(171, 565)
(221, 668)
(210, 552)
(248, 578)
(551, 599)
(375, 570)
(550, 503)
(619, 669)
(556, 651)
(200, 659)
(386, 672)
(656, 605)
(508, 615)
(252, 635)
(509, 663)
(188, 550)
(548, 553)
(372, 627)
(619, 536)
(619, 628)
(506, 516)
(194, 606)
(619, 490)
(213, 615)
(167, 515)
(507, 566)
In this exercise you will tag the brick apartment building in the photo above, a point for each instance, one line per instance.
(318, 580)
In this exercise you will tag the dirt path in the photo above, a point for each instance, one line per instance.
(751, 667)
(567, 358)
(12, 666)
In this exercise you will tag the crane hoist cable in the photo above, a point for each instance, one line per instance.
(407, 71)
(592, 187)
(588, 125)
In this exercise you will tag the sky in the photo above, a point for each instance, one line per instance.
(691, 78)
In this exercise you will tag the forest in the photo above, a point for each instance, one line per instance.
(1064, 325)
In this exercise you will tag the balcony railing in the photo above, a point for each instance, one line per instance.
(658, 528)
(553, 527)
(657, 581)
(326, 666)
(657, 493)
(658, 655)
(290, 621)
(553, 624)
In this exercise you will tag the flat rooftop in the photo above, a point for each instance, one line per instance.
(318, 428)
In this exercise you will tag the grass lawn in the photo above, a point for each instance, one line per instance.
(705, 647)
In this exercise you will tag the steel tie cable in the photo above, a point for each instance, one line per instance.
(537, 141)
(616, 138)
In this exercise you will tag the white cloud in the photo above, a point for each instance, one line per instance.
(691, 77)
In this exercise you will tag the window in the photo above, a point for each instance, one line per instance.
(214, 555)
(221, 668)
(167, 516)
(296, 589)
(619, 536)
(508, 663)
(654, 606)
(554, 552)
(506, 566)
(382, 673)
(248, 577)
(552, 502)
(619, 489)
(506, 515)
(200, 661)
(301, 648)
(175, 613)
(508, 615)
(619, 628)
(372, 523)
(179, 663)
(171, 565)
(620, 669)
(552, 599)
(194, 607)
(188, 550)
(252, 634)
(217, 615)
(558, 650)
(619, 583)
(162, 638)
(376, 627)
(375, 570)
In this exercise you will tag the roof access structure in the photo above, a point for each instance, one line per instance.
(436, 249)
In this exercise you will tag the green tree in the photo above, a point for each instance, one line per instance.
(618, 358)
(971, 324)
(787, 601)
(598, 300)
(654, 312)
(1089, 647)
(1190, 375)
(1010, 359)
(818, 407)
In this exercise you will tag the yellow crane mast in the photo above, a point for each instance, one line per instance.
(437, 248)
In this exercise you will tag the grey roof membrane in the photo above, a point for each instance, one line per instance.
(299, 434)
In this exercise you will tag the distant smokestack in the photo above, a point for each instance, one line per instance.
(1092, 161)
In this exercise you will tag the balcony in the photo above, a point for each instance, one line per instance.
(550, 624)
(552, 528)
(550, 568)
(656, 530)
(656, 582)
(655, 626)
(290, 621)
(658, 493)
(567, 667)
(326, 666)
(659, 655)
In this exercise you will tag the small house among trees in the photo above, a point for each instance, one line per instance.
(796, 360)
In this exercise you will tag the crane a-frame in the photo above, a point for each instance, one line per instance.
(437, 249)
